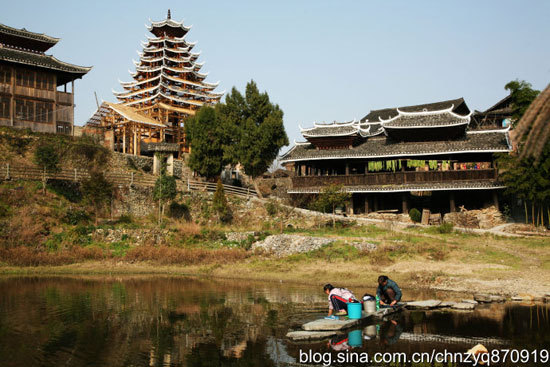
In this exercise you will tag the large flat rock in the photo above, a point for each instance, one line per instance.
(309, 335)
(463, 306)
(431, 303)
(329, 325)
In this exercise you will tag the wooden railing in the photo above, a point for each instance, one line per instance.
(34, 92)
(395, 178)
(22, 172)
(5, 88)
(64, 98)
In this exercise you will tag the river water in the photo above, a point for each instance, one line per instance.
(175, 321)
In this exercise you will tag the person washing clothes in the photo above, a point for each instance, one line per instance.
(388, 291)
(338, 300)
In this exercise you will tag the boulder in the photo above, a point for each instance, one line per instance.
(495, 298)
(483, 298)
(463, 306)
(431, 303)
(309, 335)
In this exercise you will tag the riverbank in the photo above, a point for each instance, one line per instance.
(458, 262)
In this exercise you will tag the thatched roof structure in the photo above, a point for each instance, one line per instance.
(533, 130)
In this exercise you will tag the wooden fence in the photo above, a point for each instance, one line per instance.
(10, 171)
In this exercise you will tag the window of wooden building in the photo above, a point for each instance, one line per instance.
(45, 81)
(24, 78)
(4, 107)
(5, 75)
(24, 109)
(44, 112)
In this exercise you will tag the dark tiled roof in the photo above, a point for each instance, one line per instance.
(428, 186)
(387, 113)
(40, 60)
(23, 33)
(380, 146)
(330, 130)
(432, 120)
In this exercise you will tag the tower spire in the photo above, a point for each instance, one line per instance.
(169, 15)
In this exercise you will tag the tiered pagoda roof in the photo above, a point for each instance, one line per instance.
(19, 46)
(167, 73)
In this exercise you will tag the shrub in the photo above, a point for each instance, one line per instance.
(68, 189)
(179, 211)
(75, 216)
(271, 208)
(219, 204)
(415, 215)
(46, 157)
(445, 227)
(125, 219)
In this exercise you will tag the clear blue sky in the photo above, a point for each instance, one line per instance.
(319, 60)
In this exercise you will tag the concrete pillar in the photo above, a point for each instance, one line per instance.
(170, 165)
(156, 164)
(495, 199)
(452, 205)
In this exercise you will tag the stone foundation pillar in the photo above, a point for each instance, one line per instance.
(170, 165)
(156, 164)
(367, 204)
(495, 199)
(405, 203)
(452, 205)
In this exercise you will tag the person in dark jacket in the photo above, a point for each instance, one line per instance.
(388, 291)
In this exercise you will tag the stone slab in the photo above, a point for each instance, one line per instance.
(483, 298)
(446, 304)
(329, 325)
(309, 335)
(495, 298)
(431, 303)
(463, 306)
(472, 301)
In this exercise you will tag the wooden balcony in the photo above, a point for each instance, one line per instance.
(395, 178)
(5, 88)
(64, 98)
(35, 93)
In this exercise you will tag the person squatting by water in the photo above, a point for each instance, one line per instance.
(388, 291)
(338, 299)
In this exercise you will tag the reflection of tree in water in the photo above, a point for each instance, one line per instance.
(160, 322)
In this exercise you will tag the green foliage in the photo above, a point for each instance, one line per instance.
(445, 227)
(414, 163)
(46, 156)
(179, 211)
(219, 204)
(125, 219)
(206, 136)
(331, 197)
(522, 94)
(165, 188)
(271, 208)
(528, 181)
(97, 190)
(415, 215)
(253, 129)
(70, 190)
(18, 144)
(76, 216)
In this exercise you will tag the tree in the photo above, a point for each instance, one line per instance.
(97, 191)
(206, 137)
(253, 129)
(164, 191)
(46, 156)
(330, 198)
(522, 94)
(219, 203)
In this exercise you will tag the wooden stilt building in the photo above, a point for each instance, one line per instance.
(423, 156)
